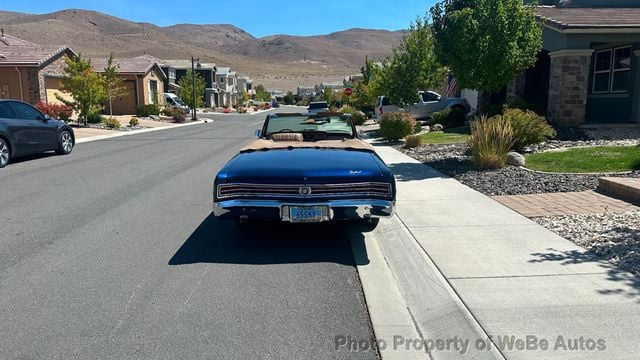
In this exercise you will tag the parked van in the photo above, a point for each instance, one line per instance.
(175, 101)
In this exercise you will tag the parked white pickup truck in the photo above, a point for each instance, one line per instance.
(428, 103)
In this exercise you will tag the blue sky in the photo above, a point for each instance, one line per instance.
(258, 17)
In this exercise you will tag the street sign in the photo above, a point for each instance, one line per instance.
(348, 91)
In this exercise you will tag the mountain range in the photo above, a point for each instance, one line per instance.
(277, 61)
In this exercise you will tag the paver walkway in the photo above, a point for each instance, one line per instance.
(571, 203)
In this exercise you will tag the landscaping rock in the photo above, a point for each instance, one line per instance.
(613, 236)
(437, 127)
(515, 159)
(454, 160)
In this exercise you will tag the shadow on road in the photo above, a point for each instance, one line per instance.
(26, 158)
(225, 242)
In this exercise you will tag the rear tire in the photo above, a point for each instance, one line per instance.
(65, 143)
(5, 153)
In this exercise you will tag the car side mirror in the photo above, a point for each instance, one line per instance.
(258, 133)
(45, 117)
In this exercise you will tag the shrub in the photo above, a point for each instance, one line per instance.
(449, 118)
(111, 123)
(490, 142)
(167, 111)
(528, 128)
(412, 141)
(178, 115)
(94, 118)
(418, 128)
(242, 110)
(396, 125)
(55, 111)
(134, 122)
(356, 116)
(147, 110)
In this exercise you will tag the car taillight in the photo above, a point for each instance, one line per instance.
(380, 110)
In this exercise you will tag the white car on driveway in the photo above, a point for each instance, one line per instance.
(428, 103)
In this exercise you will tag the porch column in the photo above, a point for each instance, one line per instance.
(635, 101)
(568, 86)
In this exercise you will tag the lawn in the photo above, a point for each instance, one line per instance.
(448, 136)
(587, 160)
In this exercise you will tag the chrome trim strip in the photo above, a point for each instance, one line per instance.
(317, 190)
(364, 208)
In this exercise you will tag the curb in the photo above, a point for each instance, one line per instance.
(567, 173)
(387, 309)
(134, 132)
(407, 295)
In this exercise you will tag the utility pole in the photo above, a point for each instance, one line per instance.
(193, 78)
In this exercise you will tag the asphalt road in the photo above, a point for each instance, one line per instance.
(112, 253)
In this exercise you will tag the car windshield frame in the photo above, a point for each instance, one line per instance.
(329, 123)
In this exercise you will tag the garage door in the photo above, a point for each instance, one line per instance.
(53, 88)
(125, 105)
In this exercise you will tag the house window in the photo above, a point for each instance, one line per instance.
(172, 74)
(222, 80)
(153, 92)
(611, 70)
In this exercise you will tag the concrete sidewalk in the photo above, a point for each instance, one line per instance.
(467, 266)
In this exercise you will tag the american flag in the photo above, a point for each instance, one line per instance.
(452, 84)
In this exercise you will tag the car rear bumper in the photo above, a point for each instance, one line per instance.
(278, 210)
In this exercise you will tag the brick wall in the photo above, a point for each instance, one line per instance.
(568, 88)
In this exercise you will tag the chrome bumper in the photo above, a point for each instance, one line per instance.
(338, 209)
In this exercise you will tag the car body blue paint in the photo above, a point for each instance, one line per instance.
(299, 166)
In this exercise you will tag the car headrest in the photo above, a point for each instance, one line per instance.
(287, 137)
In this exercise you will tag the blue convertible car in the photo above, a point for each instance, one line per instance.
(305, 168)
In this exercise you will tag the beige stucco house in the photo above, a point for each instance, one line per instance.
(31, 72)
(143, 79)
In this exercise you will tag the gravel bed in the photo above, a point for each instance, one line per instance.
(454, 160)
(558, 145)
(614, 237)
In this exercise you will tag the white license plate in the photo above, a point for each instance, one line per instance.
(305, 213)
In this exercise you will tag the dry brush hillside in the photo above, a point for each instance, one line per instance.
(279, 61)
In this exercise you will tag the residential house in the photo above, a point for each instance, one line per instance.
(331, 85)
(245, 84)
(143, 79)
(589, 69)
(31, 72)
(228, 86)
(176, 69)
(305, 91)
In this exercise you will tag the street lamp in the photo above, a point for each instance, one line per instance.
(193, 79)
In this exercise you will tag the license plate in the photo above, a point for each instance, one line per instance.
(305, 213)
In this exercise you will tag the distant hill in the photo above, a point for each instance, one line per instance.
(279, 61)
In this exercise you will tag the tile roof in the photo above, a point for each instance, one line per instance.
(137, 65)
(185, 64)
(15, 51)
(8, 40)
(34, 55)
(589, 18)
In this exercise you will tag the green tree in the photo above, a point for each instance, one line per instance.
(186, 89)
(369, 71)
(328, 96)
(289, 99)
(85, 86)
(244, 97)
(113, 84)
(262, 94)
(486, 43)
(412, 66)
